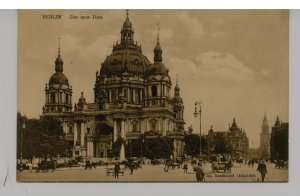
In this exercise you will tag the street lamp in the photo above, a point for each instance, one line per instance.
(142, 141)
(196, 114)
(23, 126)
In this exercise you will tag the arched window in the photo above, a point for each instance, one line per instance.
(52, 98)
(67, 99)
(154, 91)
(153, 123)
(134, 126)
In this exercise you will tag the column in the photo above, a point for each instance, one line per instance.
(164, 127)
(127, 126)
(128, 95)
(175, 148)
(122, 129)
(88, 149)
(115, 130)
(147, 124)
(75, 133)
(122, 151)
(82, 134)
(141, 95)
(133, 95)
(142, 125)
(91, 148)
(159, 125)
(109, 94)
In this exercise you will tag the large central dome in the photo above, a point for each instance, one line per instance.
(126, 56)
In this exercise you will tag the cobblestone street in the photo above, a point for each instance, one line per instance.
(149, 173)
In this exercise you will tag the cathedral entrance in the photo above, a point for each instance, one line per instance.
(104, 140)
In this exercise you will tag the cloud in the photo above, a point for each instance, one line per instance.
(223, 66)
(211, 66)
(265, 73)
(192, 25)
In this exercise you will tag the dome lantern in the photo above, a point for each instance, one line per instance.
(127, 31)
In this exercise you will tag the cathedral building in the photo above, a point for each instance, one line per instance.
(264, 148)
(132, 97)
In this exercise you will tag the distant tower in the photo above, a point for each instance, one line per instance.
(58, 92)
(264, 148)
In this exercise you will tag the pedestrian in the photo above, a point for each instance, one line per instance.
(200, 175)
(117, 170)
(131, 168)
(87, 165)
(185, 168)
(70, 164)
(262, 169)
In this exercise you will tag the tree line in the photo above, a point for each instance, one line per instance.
(41, 137)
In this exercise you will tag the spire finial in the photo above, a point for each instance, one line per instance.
(127, 13)
(58, 45)
(177, 79)
(158, 29)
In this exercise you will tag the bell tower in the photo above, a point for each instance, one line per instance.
(58, 92)
(264, 148)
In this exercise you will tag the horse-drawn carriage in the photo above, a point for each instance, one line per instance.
(171, 164)
(218, 166)
(111, 171)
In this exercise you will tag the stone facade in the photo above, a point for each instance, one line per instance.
(279, 142)
(236, 141)
(132, 97)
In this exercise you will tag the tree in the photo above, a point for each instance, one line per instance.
(160, 147)
(42, 137)
(133, 148)
(220, 144)
(192, 144)
(116, 147)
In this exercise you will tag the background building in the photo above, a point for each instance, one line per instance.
(132, 98)
(234, 142)
(279, 141)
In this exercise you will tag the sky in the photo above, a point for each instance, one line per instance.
(235, 62)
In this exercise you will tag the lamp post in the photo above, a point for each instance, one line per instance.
(196, 114)
(142, 141)
(21, 158)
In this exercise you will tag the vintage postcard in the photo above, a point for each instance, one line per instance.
(153, 96)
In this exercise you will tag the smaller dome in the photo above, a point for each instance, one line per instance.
(58, 78)
(157, 68)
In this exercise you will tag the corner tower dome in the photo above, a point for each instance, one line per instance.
(58, 78)
(126, 56)
(157, 67)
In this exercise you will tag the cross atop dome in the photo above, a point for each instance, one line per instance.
(157, 50)
(158, 29)
(59, 62)
(58, 45)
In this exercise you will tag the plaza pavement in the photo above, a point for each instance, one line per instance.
(149, 173)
